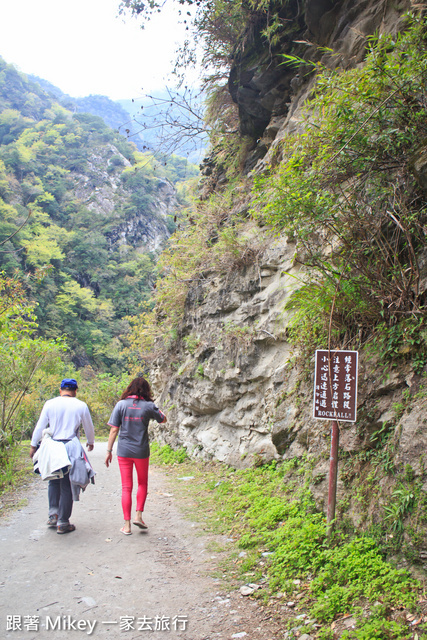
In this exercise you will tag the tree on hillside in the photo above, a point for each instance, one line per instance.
(173, 122)
(219, 33)
(22, 355)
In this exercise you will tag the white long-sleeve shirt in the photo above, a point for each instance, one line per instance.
(64, 415)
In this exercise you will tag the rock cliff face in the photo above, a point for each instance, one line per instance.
(238, 394)
(102, 192)
(148, 229)
(222, 399)
(266, 91)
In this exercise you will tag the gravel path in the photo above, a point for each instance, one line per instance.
(97, 582)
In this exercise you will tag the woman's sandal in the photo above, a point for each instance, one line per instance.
(141, 525)
(65, 528)
(125, 533)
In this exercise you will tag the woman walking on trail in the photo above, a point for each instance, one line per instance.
(129, 421)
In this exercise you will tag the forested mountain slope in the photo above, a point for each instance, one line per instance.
(83, 216)
(113, 114)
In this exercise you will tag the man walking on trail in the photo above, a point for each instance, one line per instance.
(59, 425)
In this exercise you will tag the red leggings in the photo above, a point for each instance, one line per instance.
(126, 471)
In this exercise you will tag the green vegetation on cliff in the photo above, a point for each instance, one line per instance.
(346, 191)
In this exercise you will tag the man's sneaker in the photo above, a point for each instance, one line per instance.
(52, 521)
(65, 528)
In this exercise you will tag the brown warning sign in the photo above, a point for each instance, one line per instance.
(335, 385)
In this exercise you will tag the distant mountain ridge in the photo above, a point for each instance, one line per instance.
(112, 112)
(128, 117)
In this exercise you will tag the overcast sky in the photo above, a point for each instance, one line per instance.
(83, 48)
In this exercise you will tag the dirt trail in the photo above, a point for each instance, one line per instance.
(99, 583)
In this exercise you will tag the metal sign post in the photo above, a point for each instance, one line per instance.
(335, 398)
(333, 474)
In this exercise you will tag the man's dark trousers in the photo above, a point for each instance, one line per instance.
(60, 498)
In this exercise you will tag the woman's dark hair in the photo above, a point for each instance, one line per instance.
(138, 387)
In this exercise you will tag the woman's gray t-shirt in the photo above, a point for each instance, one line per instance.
(132, 416)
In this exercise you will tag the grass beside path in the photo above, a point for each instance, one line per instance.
(277, 549)
(16, 474)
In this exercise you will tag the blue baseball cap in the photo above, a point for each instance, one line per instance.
(69, 383)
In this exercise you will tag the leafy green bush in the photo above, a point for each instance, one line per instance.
(377, 627)
(166, 455)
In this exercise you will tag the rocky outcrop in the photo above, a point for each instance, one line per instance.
(96, 188)
(102, 191)
(239, 394)
(149, 228)
(221, 400)
(267, 91)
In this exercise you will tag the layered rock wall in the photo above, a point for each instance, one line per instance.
(222, 398)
